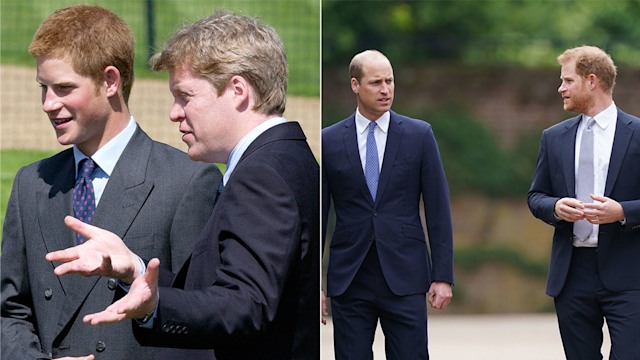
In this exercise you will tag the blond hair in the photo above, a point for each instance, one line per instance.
(223, 45)
(592, 60)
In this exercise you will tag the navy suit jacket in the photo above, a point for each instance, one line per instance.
(554, 178)
(250, 288)
(411, 169)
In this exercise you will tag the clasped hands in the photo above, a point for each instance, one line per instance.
(105, 254)
(603, 210)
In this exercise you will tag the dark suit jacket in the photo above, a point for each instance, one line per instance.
(554, 178)
(250, 289)
(411, 169)
(156, 200)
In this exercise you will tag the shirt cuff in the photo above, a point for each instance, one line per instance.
(143, 269)
(147, 321)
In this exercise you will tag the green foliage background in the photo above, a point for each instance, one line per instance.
(479, 32)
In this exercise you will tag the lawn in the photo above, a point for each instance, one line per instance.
(297, 22)
(10, 162)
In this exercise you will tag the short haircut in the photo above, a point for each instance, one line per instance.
(592, 60)
(357, 63)
(223, 45)
(91, 38)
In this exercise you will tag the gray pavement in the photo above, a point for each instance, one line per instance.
(483, 337)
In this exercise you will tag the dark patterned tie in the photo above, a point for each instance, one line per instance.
(371, 163)
(84, 201)
(584, 182)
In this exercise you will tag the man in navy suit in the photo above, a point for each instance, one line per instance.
(249, 289)
(587, 185)
(376, 165)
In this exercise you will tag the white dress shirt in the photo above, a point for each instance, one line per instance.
(604, 131)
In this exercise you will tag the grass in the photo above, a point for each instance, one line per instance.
(10, 162)
(297, 22)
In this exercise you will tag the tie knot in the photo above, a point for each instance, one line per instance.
(372, 125)
(590, 123)
(86, 167)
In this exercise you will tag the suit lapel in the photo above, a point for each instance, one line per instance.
(394, 138)
(567, 147)
(121, 201)
(55, 202)
(350, 141)
(621, 141)
(127, 189)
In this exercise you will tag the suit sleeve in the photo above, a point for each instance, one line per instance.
(259, 242)
(435, 193)
(541, 200)
(19, 336)
(192, 212)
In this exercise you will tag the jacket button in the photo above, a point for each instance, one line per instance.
(165, 328)
(48, 294)
(100, 346)
(112, 284)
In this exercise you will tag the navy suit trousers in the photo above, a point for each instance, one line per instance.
(368, 298)
(583, 305)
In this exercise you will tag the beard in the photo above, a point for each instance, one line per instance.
(580, 102)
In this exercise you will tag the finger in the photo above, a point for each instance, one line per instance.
(65, 255)
(77, 226)
(108, 316)
(599, 198)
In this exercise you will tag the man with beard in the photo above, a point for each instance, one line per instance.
(587, 185)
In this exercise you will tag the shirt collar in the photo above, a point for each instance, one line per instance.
(362, 123)
(107, 156)
(606, 116)
(244, 143)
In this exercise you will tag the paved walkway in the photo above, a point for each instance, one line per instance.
(483, 337)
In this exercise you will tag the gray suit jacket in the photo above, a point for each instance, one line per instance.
(156, 200)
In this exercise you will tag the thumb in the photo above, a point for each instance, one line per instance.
(598, 198)
(153, 269)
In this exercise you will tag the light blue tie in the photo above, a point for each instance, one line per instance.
(371, 165)
(584, 182)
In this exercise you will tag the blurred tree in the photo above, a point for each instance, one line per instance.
(510, 32)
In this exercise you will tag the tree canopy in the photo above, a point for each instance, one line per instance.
(527, 33)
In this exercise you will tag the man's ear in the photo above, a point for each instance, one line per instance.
(355, 86)
(112, 80)
(241, 91)
(593, 81)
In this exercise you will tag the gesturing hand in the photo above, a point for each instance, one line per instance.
(141, 300)
(103, 253)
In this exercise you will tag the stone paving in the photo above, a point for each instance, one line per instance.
(483, 337)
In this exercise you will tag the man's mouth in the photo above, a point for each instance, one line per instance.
(60, 121)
